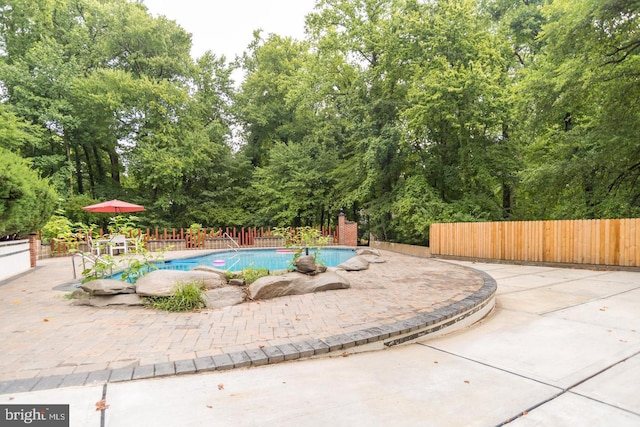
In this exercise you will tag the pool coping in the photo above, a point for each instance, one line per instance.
(450, 318)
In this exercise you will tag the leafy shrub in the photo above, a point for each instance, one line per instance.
(58, 227)
(187, 297)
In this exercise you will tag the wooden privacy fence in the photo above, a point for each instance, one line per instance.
(614, 242)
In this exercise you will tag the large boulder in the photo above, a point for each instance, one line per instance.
(162, 283)
(295, 284)
(367, 251)
(224, 297)
(356, 263)
(206, 268)
(373, 259)
(372, 255)
(131, 300)
(108, 287)
(307, 264)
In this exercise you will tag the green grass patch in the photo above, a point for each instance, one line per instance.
(187, 297)
(252, 274)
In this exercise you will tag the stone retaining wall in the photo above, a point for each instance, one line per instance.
(420, 251)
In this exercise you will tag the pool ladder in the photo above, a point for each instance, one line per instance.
(91, 259)
(236, 245)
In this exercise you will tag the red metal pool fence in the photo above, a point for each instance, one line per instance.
(202, 238)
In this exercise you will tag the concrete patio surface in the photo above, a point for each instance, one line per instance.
(561, 349)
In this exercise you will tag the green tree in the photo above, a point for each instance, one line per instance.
(458, 108)
(182, 161)
(26, 200)
(358, 42)
(583, 159)
(295, 186)
(16, 134)
(262, 104)
(76, 68)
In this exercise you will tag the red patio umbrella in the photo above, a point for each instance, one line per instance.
(114, 206)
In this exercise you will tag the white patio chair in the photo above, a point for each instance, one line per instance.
(94, 247)
(119, 241)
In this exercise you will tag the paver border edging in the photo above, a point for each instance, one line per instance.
(443, 320)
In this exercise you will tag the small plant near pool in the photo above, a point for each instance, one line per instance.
(252, 274)
(187, 297)
(136, 264)
(302, 240)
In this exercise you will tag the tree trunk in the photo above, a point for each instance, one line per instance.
(98, 162)
(115, 164)
(507, 200)
(90, 173)
(76, 153)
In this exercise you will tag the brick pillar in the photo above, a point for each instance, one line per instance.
(33, 249)
(347, 231)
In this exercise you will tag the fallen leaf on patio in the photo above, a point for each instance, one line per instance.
(466, 382)
(525, 412)
(623, 340)
(209, 406)
(603, 309)
(47, 319)
(220, 386)
(101, 405)
(260, 346)
(435, 361)
(345, 354)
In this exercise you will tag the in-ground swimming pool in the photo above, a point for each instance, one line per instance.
(271, 259)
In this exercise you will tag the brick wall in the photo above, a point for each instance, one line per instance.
(347, 231)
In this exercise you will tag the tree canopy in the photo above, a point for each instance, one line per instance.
(401, 113)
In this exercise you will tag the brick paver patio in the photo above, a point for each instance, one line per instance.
(42, 334)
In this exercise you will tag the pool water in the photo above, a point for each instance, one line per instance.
(271, 259)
